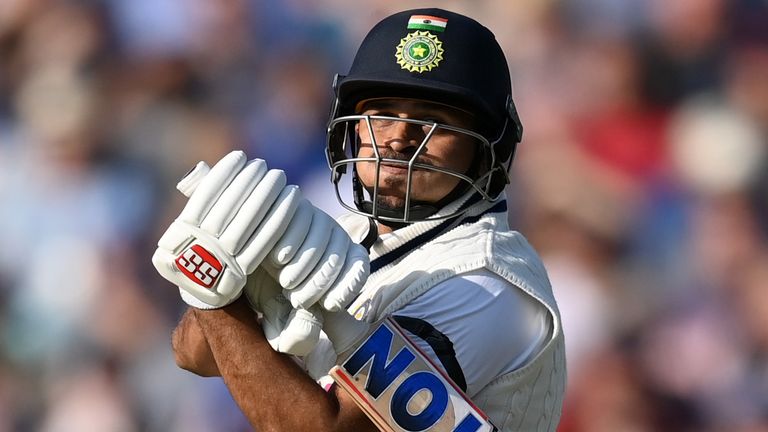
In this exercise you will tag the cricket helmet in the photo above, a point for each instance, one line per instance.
(437, 56)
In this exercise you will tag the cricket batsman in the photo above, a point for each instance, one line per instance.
(420, 309)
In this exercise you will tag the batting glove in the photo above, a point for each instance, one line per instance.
(317, 263)
(233, 219)
(288, 330)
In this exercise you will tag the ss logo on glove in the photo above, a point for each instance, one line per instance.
(199, 265)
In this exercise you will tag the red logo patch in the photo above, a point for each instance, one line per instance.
(199, 265)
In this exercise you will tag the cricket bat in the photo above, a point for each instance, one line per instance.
(400, 389)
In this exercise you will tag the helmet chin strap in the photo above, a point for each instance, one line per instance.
(372, 235)
(418, 211)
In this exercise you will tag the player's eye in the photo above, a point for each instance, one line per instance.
(376, 123)
(427, 127)
(380, 123)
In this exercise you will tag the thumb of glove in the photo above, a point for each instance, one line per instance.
(301, 332)
(288, 330)
(344, 331)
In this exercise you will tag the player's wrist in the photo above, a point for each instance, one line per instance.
(238, 311)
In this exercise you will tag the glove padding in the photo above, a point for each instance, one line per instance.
(233, 219)
(313, 269)
(297, 331)
(318, 266)
(293, 328)
(288, 330)
(317, 263)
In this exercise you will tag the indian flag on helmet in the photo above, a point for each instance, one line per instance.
(427, 22)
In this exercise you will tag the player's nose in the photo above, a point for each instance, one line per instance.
(404, 136)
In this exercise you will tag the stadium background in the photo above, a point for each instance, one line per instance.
(642, 181)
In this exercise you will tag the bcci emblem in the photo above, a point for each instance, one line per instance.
(419, 51)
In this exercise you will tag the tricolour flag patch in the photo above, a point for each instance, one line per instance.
(427, 22)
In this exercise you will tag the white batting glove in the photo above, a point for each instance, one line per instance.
(288, 330)
(317, 263)
(341, 333)
(314, 268)
(297, 331)
(233, 219)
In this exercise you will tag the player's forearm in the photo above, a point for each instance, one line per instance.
(271, 390)
(191, 349)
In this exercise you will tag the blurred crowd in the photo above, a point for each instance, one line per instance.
(642, 180)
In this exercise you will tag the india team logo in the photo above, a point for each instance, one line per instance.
(419, 51)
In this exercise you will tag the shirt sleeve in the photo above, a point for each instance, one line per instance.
(479, 323)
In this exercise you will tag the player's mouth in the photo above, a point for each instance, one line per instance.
(400, 166)
(394, 168)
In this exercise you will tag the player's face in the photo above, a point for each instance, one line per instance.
(401, 140)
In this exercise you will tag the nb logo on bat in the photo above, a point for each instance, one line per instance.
(199, 265)
(401, 390)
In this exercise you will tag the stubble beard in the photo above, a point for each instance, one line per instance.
(392, 191)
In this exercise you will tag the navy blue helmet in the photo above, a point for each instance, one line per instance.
(438, 56)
